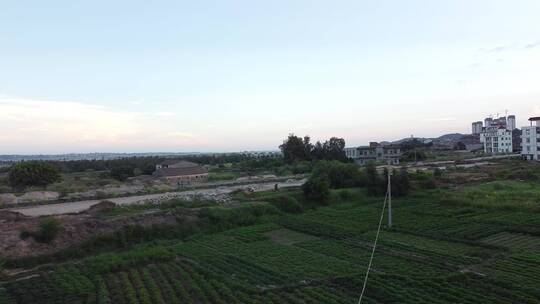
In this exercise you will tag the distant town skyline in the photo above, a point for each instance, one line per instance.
(184, 76)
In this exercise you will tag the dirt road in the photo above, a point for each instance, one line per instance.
(215, 193)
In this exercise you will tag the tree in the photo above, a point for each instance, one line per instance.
(318, 152)
(373, 180)
(295, 149)
(339, 175)
(33, 173)
(122, 173)
(335, 149)
(400, 183)
(460, 146)
(317, 189)
(414, 154)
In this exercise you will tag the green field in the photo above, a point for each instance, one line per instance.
(476, 244)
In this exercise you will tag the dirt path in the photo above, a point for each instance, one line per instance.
(78, 206)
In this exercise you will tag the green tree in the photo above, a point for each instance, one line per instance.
(122, 172)
(33, 173)
(335, 149)
(338, 174)
(295, 149)
(374, 182)
(317, 188)
(400, 183)
(48, 230)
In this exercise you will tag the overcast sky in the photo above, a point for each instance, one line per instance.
(139, 76)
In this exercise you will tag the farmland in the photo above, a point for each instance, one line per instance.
(473, 244)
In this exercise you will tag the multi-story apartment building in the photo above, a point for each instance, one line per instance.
(530, 139)
(477, 127)
(375, 152)
(511, 122)
(497, 140)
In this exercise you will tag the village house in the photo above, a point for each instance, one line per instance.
(181, 173)
(376, 153)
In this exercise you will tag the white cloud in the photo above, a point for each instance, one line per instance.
(533, 45)
(50, 126)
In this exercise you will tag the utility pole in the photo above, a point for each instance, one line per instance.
(389, 197)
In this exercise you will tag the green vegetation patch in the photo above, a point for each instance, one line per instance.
(505, 195)
(289, 237)
(514, 240)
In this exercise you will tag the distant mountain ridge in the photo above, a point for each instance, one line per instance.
(451, 137)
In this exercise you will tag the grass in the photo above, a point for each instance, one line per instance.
(475, 244)
(222, 176)
(503, 195)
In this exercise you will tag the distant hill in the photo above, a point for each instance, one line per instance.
(446, 137)
(451, 136)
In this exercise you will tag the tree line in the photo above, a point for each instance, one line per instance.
(328, 175)
(297, 149)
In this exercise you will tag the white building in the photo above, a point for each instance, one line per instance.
(477, 127)
(376, 153)
(530, 139)
(496, 140)
(511, 122)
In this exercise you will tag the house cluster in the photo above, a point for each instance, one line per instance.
(530, 139)
(496, 135)
(500, 136)
(181, 173)
(376, 153)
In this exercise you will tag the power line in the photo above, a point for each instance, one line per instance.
(389, 194)
(376, 240)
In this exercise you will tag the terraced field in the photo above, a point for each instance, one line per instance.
(435, 253)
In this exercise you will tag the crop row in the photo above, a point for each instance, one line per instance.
(461, 288)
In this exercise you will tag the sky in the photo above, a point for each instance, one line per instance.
(217, 76)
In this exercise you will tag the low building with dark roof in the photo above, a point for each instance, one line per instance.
(376, 153)
(181, 173)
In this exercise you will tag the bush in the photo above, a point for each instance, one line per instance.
(377, 184)
(33, 173)
(48, 230)
(317, 189)
(428, 183)
(345, 195)
(122, 173)
(287, 204)
(374, 183)
(338, 174)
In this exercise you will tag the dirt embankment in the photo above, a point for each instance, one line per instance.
(218, 193)
(75, 228)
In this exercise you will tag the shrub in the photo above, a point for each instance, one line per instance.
(428, 183)
(33, 173)
(317, 189)
(345, 194)
(25, 234)
(377, 184)
(48, 230)
(287, 204)
(338, 174)
(122, 173)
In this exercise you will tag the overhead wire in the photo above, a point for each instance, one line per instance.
(374, 246)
